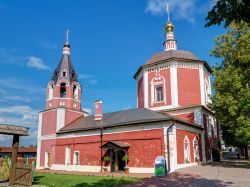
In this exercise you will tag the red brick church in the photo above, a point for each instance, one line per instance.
(173, 118)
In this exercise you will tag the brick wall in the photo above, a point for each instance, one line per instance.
(145, 146)
(180, 135)
(49, 123)
(140, 93)
(188, 86)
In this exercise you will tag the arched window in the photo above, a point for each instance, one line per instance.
(63, 90)
(186, 150)
(159, 94)
(64, 73)
(158, 90)
(75, 92)
(196, 149)
(51, 89)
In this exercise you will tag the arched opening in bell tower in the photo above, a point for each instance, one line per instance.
(63, 90)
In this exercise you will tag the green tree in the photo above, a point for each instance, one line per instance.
(231, 101)
(229, 11)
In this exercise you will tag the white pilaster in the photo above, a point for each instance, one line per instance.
(60, 118)
(174, 85)
(38, 158)
(202, 86)
(39, 134)
(173, 149)
(145, 80)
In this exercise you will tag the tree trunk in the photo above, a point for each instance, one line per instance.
(247, 152)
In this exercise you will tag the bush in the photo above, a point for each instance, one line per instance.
(106, 158)
(5, 169)
(125, 158)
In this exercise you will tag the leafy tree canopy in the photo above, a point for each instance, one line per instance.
(231, 101)
(229, 11)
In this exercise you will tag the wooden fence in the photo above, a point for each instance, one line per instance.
(23, 174)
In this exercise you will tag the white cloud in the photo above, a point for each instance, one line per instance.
(19, 109)
(85, 76)
(16, 98)
(48, 45)
(35, 62)
(92, 79)
(19, 115)
(29, 117)
(179, 9)
(20, 84)
(87, 110)
(7, 57)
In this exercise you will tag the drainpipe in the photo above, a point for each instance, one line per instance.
(168, 143)
(101, 148)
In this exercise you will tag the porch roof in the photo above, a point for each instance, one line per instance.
(14, 130)
(119, 144)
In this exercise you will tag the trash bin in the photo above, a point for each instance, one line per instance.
(160, 166)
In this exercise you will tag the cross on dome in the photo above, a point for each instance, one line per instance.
(167, 12)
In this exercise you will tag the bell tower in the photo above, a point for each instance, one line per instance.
(64, 90)
(63, 105)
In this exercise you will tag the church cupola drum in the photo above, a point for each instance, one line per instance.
(64, 90)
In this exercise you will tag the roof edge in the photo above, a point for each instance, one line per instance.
(115, 125)
(170, 59)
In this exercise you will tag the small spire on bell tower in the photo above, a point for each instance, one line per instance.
(170, 43)
(66, 46)
(67, 36)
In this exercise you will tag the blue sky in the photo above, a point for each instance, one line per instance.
(109, 41)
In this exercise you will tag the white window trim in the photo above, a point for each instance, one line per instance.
(188, 151)
(153, 89)
(74, 158)
(46, 159)
(67, 155)
(196, 139)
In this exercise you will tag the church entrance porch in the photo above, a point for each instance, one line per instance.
(117, 161)
(116, 155)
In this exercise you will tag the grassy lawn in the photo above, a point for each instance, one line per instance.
(80, 181)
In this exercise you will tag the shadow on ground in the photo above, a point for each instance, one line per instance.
(180, 180)
(105, 183)
(232, 163)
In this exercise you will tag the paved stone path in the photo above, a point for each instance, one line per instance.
(223, 174)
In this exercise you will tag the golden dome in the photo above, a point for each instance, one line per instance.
(169, 27)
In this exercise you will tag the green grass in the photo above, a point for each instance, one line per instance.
(58, 180)
(248, 162)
